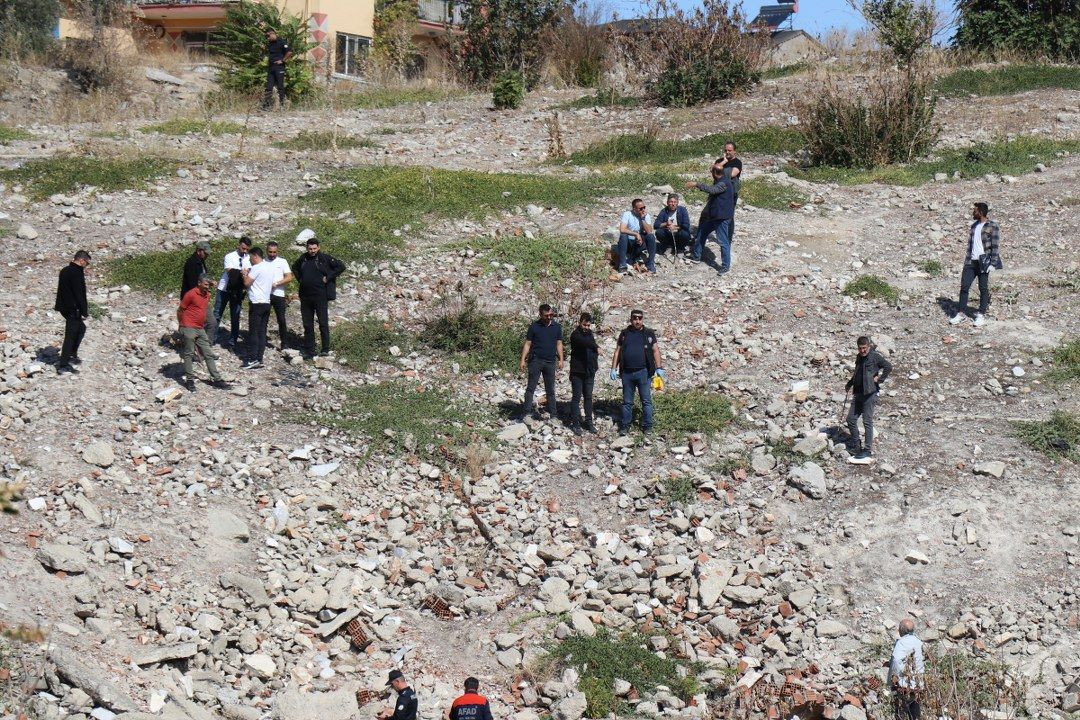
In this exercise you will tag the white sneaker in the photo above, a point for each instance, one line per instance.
(956, 319)
(980, 320)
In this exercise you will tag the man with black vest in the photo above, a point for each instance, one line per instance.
(230, 290)
(316, 273)
(277, 53)
(406, 706)
(584, 361)
(636, 360)
(543, 350)
(71, 303)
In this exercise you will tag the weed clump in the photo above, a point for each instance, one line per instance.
(66, 174)
(958, 684)
(1007, 80)
(193, 126)
(679, 491)
(543, 257)
(9, 134)
(873, 288)
(479, 340)
(1066, 361)
(933, 268)
(322, 140)
(365, 340)
(684, 412)
(380, 98)
(771, 195)
(1058, 437)
(648, 148)
(607, 97)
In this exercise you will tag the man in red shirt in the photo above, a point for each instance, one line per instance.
(472, 705)
(192, 318)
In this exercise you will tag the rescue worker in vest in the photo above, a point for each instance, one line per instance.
(406, 706)
(636, 360)
(470, 706)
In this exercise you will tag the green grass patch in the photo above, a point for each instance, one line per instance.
(679, 491)
(160, 272)
(771, 195)
(727, 466)
(601, 98)
(193, 126)
(10, 134)
(1003, 157)
(1058, 437)
(365, 340)
(684, 412)
(605, 657)
(403, 416)
(1007, 80)
(378, 98)
(639, 148)
(933, 268)
(539, 258)
(96, 310)
(873, 288)
(1066, 362)
(476, 339)
(385, 130)
(66, 174)
(786, 455)
(322, 140)
(347, 239)
(775, 73)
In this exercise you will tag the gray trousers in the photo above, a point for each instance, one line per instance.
(196, 337)
(863, 406)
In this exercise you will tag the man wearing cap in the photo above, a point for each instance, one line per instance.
(405, 708)
(191, 316)
(316, 273)
(195, 267)
(472, 705)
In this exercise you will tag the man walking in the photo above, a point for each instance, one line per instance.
(406, 706)
(584, 361)
(316, 272)
(72, 305)
(636, 360)
(470, 706)
(259, 280)
(230, 290)
(195, 267)
(716, 215)
(543, 349)
(635, 235)
(906, 670)
(673, 226)
(277, 53)
(282, 277)
(733, 167)
(982, 254)
(871, 369)
(191, 316)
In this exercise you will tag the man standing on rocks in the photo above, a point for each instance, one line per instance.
(716, 215)
(195, 267)
(71, 303)
(472, 705)
(871, 369)
(277, 53)
(982, 254)
(584, 362)
(733, 169)
(230, 290)
(673, 226)
(543, 349)
(636, 360)
(406, 705)
(259, 280)
(635, 235)
(191, 315)
(316, 272)
(282, 277)
(906, 672)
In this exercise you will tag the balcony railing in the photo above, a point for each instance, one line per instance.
(439, 11)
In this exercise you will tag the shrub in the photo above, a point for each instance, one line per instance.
(542, 257)
(501, 35)
(960, 685)
(322, 140)
(1032, 28)
(66, 174)
(679, 491)
(393, 46)
(903, 26)
(577, 44)
(1066, 361)
(479, 340)
(1007, 80)
(26, 26)
(872, 287)
(508, 90)
(933, 268)
(364, 340)
(193, 126)
(685, 412)
(243, 49)
(771, 195)
(1058, 437)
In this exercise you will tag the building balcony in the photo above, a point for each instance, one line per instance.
(438, 11)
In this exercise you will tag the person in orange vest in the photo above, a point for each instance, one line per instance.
(472, 705)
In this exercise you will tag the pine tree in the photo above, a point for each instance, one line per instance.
(1036, 28)
(243, 52)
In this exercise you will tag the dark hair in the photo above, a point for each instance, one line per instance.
(715, 170)
(732, 144)
(673, 195)
(635, 201)
(82, 255)
(312, 241)
(244, 240)
(983, 209)
(472, 683)
(257, 251)
(585, 317)
(862, 341)
(272, 243)
(544, 308)
(636, 312)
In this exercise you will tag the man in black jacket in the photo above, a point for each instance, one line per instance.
(71, 303)
(316, 273)
(871, 369)
(195, 267)
(584, 361)
(277, 54)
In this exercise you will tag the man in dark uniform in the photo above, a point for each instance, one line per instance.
(277, 52)
(316, 273)
(405, 708)
(636, 360)
(195, 267)
(541, 353)
(472, 705)
(71, 303)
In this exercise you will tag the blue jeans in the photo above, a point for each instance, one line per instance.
(627, 242)
(724, 229)
(639, 380)
(220, 300)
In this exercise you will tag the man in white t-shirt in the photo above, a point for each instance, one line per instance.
(259, 280)
(636, 235)
(230, 290)
(282, 277)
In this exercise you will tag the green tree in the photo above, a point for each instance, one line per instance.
(903, 26)
(243, 52)
(1035, 28)
(27, 25)
(394, 23)
(504, 35)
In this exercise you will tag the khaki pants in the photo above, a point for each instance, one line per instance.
(196, 337)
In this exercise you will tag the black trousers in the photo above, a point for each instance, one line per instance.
(906, 706)
(582, 387)
(309, 308)
(258, 320)
(972, 270)
(277, 302)
(679, 241)
(538, 369)
(275, 78)
(74, 329)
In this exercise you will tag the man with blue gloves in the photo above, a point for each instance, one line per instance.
(636, 360)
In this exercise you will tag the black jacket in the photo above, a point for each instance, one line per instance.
(309, 273)
(71, 292)
(873, 364)
(193, 268)
(584, 354)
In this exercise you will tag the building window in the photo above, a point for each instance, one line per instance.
(350, 53)
(202, 42)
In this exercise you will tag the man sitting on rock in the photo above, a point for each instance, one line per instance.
(673, 226)
(636, 237)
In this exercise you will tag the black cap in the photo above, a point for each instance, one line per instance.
(394, 675)
(472, 683)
